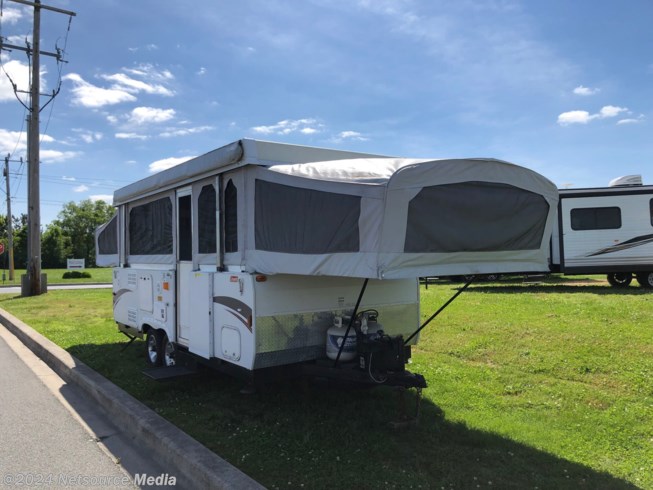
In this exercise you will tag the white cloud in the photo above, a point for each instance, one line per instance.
(185, 131)
(583, 117)
(11, 15)
(68, 179)
(166, 163)
(12, 142)
(108, 198)
(352, 135)
(131, 136)
(55, 156)
(201, 71)
(133, 86)
(149, 72)
(80, 188)
(88, 136)
(19, 73)
(632, 120)
(92, 96)
(146, 115)
(287, 126)
(585, 91)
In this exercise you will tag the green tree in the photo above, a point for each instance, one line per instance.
(20, 241)
(55, 247)
(77, 222)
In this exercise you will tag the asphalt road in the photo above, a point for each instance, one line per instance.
(51, 436)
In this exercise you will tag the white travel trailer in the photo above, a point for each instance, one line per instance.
(257, 255)
(607, 230)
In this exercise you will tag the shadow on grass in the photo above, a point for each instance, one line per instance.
(312, 435)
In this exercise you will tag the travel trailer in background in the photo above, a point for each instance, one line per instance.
(262, 255)
(607, 230)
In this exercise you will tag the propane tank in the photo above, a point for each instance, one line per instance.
(370, 326)
(336, 336)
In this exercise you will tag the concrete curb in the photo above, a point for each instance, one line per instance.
(169, 444)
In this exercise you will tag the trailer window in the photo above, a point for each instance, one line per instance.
(185, 228)
(608, 218)
(108, 239)
(475, 217)
(650, 203)
(150, 228)
(230, 218)
(305, 221)
(206, 220)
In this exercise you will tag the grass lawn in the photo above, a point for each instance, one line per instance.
(55, 276)
(545, 385)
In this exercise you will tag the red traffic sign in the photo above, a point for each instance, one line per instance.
(2, 248)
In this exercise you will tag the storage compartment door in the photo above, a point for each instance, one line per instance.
(200, 328)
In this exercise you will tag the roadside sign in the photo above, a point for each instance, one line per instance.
(76, 264)
(2, 248)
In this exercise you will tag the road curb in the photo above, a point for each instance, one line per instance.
(167, 443)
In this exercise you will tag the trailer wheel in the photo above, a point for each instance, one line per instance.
(153, 347)
(620, 279)
(645, 279)
(169, 352)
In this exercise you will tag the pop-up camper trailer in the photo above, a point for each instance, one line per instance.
(260, 255)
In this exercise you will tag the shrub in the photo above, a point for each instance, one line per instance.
(76, 275)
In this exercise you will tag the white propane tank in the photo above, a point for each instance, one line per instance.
(335, 337)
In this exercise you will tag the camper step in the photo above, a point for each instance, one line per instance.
(165, 373)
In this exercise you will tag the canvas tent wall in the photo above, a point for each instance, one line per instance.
(352, 215)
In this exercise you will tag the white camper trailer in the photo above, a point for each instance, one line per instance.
(258, 254)
(607, 230)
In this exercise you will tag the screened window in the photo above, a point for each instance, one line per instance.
(230, 218)
(305, 221)
(206, 220)
(150, 228)
(650, 204)
(185, 229)
(108, 238)
(475, 217)
(608, 218)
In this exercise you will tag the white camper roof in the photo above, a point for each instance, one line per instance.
(358, 215)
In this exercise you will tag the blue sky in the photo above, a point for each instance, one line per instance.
(564, 88)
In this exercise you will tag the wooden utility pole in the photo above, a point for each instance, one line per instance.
(10, 226)
(34, 286)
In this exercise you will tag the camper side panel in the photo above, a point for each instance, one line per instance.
(607, 233)
(144, 298)
(293, 313)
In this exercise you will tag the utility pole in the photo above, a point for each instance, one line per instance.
(34, 286)
(10, 226)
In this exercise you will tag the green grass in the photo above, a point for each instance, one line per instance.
(55, 276)
(530, 386)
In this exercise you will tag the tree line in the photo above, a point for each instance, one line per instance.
(71, 235)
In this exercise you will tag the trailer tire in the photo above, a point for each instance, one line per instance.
(645, 279)
(620, 279)
(168, 351)
(153, 347)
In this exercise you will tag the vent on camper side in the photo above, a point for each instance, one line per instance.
(626, 180)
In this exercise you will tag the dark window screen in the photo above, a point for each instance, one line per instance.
(230, 218)
(475, 217)
(108, 238)
(150, 228)
(185, 228)
(596, 218)
(206, 220)
(305, 221)
(650, 204)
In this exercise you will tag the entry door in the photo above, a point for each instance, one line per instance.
(185, 245)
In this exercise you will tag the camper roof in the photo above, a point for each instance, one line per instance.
(236, 154)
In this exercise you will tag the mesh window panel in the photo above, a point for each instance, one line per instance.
(108, 239)
(206, 220)
(475, 217)
(150, 228)
(305, 221)
(185, 229)
(230, 218)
